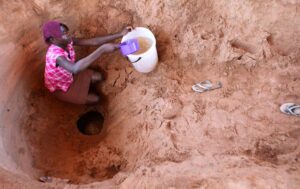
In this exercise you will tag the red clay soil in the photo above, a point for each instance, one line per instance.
(158, 133)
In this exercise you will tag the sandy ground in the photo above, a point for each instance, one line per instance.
(158, 133)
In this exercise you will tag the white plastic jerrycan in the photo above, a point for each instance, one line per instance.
(145, 59)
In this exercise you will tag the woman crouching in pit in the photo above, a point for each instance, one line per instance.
(69, 80)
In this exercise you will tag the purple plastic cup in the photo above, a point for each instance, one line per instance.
(130, 46)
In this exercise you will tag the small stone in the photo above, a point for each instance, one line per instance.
(45, 179)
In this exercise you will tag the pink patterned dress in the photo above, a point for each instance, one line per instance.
(56, 77)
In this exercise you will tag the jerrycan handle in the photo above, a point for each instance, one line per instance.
(139, 58)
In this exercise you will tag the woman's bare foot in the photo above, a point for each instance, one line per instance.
(92, 99)
(96, 77)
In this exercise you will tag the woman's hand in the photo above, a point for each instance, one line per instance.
(110, 47)
(126, 30)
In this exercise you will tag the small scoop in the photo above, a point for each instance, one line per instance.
(130, 46)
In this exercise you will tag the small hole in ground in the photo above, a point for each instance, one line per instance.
(90, 123)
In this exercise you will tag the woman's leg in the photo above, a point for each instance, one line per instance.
(78, 93)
